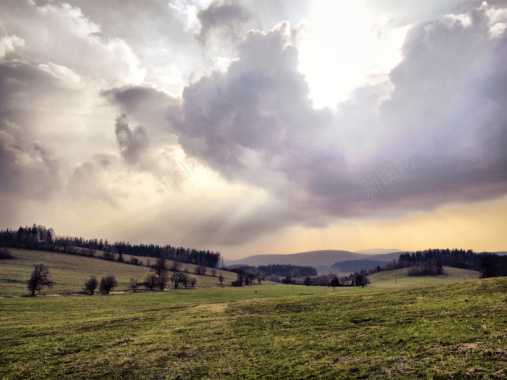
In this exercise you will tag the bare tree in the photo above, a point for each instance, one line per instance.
(162, 280)
(193, 281)
(214, 272)
(160, 266)
(134, 284)
(39, 279)
(178, 278)
(150, 280)
(107, 284)
(200, 269)
(91, 284)
(185, 280)
(221, 279)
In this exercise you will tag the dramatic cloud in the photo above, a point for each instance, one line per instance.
(225, 124)
(439, 136)
(224, 18)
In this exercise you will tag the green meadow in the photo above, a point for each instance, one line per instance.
(431, 331)
(399, 278)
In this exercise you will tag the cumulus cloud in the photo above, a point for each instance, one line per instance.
(439, 136)
(259, 106)
(9, 43)
(48, 29)
(223, 17)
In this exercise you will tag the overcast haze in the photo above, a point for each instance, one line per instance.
(256, 126)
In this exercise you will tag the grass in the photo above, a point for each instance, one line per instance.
(69, 272)
(271, 332)
(399, 278)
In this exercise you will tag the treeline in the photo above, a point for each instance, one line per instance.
(432, 261)
(282, 270)
(42, 238)
(247, 275)
(354, 279)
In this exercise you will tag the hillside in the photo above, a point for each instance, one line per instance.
(69, 272)
(399, 278)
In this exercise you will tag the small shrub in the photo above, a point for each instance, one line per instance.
(107, 284)
(150, 280)
(133, 260)
(108, 256)
(134, 284)
(5, 254)
(91, 284)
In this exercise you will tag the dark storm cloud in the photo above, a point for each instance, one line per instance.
(439, 138)
(132, 144)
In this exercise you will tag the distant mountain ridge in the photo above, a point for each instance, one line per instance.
(323, 260)
(382, 251)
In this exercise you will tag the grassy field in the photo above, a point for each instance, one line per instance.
(398, 278)
(269, 331)
(69, 272)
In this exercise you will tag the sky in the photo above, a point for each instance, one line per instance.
(257, 126)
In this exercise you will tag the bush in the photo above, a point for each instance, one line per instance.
(150, 280)
(108, 256)
(90, 285)
(134, 284)
(107, 284)
(134, 261)
(5, 254)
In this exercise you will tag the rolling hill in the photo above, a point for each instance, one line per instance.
(399, 278)
(69, 272)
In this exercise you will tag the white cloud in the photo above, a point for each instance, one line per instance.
(9, 44)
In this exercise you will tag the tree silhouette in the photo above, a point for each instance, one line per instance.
(107, 283)
(39, 279)
(91, 284)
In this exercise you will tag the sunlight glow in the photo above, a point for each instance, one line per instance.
(346, 46)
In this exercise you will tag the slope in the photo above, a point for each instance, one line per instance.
(399, 278)
(69, 272)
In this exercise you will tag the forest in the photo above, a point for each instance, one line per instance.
(42, 238)
(432, 261)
